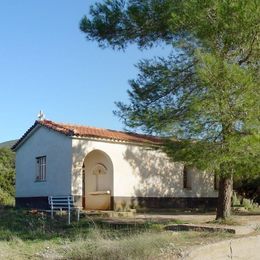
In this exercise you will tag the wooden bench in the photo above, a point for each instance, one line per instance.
(59, 203)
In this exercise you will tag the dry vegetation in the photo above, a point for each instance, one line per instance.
(27, 235)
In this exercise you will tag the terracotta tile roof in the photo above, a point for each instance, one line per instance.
(86, 131)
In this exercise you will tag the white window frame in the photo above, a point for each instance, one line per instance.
(41, 165)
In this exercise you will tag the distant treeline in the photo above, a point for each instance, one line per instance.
(8, 144)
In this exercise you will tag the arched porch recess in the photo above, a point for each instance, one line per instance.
(97, 181)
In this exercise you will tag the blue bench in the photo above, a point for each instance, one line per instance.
(60, 203)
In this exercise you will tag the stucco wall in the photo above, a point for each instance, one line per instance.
(57, 148)
(139, 171)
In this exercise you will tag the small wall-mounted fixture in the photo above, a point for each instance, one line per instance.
(99, 169)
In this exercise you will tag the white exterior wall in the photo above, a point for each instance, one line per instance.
(139, 171)
(57, 149)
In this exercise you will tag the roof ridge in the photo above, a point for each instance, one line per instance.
(94, 132)
(79, 125)
(64, 125)
(54, 124)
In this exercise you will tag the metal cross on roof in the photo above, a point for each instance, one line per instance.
(41, 115)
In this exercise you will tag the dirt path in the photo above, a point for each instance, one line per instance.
(245, 224)
(202, 218)
(241, 248)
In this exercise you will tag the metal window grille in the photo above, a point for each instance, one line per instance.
(216, 182)
(186, 178)
(41, 168)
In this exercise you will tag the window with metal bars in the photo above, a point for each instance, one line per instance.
(186, 178)
(41, 168)
(216, 182)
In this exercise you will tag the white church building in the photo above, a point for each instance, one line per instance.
(104, 169)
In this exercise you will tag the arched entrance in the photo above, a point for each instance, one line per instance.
(97, 181)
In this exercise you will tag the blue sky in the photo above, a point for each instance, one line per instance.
(46, 63)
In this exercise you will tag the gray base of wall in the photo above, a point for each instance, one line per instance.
(121, 202)
(165, 202)
(32, 202)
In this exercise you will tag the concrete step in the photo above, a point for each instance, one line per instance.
(238, 230)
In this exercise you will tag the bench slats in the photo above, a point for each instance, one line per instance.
(61, 199)
(63, 202)
(60, 208)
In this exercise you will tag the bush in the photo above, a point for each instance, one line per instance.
(6, 199)
(248, 187)
(7, 176)
(236, 200)
(249, 204)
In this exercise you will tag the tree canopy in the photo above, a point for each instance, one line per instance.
(206, 92)
(7, 175)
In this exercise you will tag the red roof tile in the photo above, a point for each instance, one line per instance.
(86, 131)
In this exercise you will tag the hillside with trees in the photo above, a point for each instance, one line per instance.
(8, 144)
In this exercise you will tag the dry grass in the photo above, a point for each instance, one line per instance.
(145, 245)
(148, 245)
(228, 222)
(35, 236)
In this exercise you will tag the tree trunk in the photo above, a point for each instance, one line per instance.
(224, 197)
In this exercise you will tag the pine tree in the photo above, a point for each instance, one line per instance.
(205, 93)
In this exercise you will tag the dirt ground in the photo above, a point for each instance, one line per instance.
(243, 223)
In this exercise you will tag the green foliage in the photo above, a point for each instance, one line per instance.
(236, 200)
(241, 200)
(116, 23)
(6, 198)
(249, 204)
(248, 187)
(7, 176)
(206, 92)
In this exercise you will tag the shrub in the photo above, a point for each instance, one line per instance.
(236, 200)
(6, 199)
(7, 176)
(248, 187)
(249, 204)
